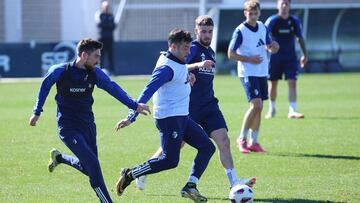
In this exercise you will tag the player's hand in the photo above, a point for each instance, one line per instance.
(273, 47)
(122, 124)
(255, 59)
(33, 119)
(143, 109)
(303, 61)
(208, 64)
(192, 79)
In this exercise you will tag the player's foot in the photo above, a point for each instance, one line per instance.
(140, 182)
(245, 181)
(53, 162)
(270, 114)
(242, 145)
(124, 180)
(295, 115)
(190, 191)
(256, 148)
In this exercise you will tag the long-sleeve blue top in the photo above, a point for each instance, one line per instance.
(159, 77)
(74, 109)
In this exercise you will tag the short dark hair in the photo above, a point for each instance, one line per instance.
(177, 36)
(88, 45)
(204, 20)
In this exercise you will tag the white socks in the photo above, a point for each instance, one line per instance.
(231, 175)
(193, 179)
(254, 136)
(292, 107)
(272, 105)
(243, 133)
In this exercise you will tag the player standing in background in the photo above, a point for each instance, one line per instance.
(284, 28)
(249, 45)
(75, 84)
(171, 88)
(204, 108)
(106, 25)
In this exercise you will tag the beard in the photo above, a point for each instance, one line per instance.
(89, 67)
(205, 43)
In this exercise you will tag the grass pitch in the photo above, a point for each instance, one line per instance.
(316, 159)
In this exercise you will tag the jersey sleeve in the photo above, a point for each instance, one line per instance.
(269, 23)
(191, 58)
(103, 81)
(159, 77)
(298, 27)
(236, 40)
(267, 37)
(52, 76)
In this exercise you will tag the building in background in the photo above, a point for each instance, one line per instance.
(41, 31)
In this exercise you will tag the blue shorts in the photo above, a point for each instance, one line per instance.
(289, 68)
(255, 87)
(209, 117)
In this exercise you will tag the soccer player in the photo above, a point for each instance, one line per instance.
(249, 45)
(106, 26)
(170, 85)
(204, 108)
(284, 28)
(75, 83)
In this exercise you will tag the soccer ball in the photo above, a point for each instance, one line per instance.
(241, 194)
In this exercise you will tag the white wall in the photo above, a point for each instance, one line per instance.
(13, 23)
(77, 19)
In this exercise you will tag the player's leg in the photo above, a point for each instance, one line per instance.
(196, 137)
(291, 77)
(171, 135)
(214, 124)
(140, 181)
(275, 74)
(254, 145)
(273, 84)
(86, 160)
(252, 90)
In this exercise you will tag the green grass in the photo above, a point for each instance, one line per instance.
(312, 160)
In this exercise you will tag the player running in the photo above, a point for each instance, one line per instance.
(75, 84)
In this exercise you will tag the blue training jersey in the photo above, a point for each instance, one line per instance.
(202, 92)
(72, 109)
(284, 32)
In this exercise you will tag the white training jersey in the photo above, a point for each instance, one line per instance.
(253, 43)
(172, 99)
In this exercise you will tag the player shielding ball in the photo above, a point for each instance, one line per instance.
(204, 108)
(170, 85)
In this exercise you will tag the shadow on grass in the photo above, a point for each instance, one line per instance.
(351, 118)
(276, 200)
(325, 156)
(272, 200)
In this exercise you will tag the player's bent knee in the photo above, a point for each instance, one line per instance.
(211, 149)
(172, 163)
